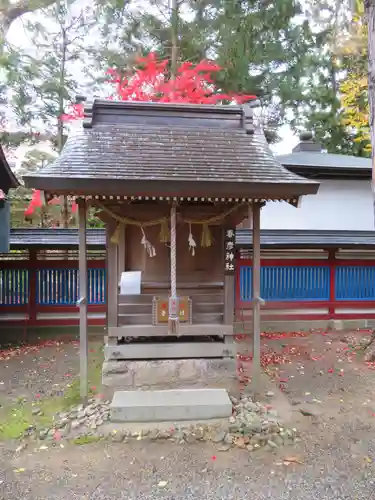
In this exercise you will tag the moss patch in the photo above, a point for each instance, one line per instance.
(19, 417)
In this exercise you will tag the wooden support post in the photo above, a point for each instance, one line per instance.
(32, 284)
(229, 291)
(83, 334)
(112, 277)
(122, 251)
(248, 344)
(256, 298)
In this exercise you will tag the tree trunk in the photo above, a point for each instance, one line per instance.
(11, 12)
(370, 17)
(174, 37)
(60, 123)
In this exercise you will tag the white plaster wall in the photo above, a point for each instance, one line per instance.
(339, 204)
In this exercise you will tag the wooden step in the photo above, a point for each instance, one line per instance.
(208, 307)
(135, 299)
(207, 318)
(135, 319)
(125, 309)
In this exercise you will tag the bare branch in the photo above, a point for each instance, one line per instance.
(10, 13)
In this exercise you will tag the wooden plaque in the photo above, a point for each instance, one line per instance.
(162, 312)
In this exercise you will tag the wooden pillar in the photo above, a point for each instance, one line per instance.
(256, 297)
(33, 259)
(122, 251)
(332, 282)
(83, 334)
(112, 276)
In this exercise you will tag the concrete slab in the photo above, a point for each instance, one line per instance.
(170, 405)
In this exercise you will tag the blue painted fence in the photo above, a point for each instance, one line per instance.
(287, 283)
(355, 283)
(309, 283)
(53, 286)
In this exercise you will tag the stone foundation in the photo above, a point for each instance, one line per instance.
(169, 374)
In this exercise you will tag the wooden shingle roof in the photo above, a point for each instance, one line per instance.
(131, 148)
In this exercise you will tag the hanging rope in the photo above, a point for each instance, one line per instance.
(173, 320)
(149, 248)
(191, 241)
(206, 237)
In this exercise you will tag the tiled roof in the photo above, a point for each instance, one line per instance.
(155, 144)
(321, 159)
(54, 238)
(296, 238)
(63, 238)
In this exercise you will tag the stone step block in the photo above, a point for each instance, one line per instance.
(170, 405)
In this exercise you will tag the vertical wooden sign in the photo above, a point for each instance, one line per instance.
(229, 251)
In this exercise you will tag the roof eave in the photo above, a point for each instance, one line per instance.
(162, 187)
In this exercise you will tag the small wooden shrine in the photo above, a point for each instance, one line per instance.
(171, 182)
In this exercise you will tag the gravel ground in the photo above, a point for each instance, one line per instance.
(336, 454)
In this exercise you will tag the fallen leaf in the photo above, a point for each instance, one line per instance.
(19, 470)
(292, 460)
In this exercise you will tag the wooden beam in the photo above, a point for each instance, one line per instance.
(162, 330)
(167, 351)
(83, 334)
(256, 298)
(112, 277)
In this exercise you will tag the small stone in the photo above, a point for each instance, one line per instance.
(218, 437)
(179, 436)
(272, 444)
(232, 420)
(296, 402)
(153, 434)
(270, 394)
(190, 438)
(278, 440)
(308, 412)
(235, 427)
(224, 447)
(118, 437)
(75, 424)
(162, 434)
(250, 447)
(273, 413)
(251, 407)
(199, 433)
(240, 442)
(36, 411)
(228, 439)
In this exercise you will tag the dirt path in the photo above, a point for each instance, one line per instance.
(321, 374)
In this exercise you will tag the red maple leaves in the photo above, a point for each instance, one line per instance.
(151, 82)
